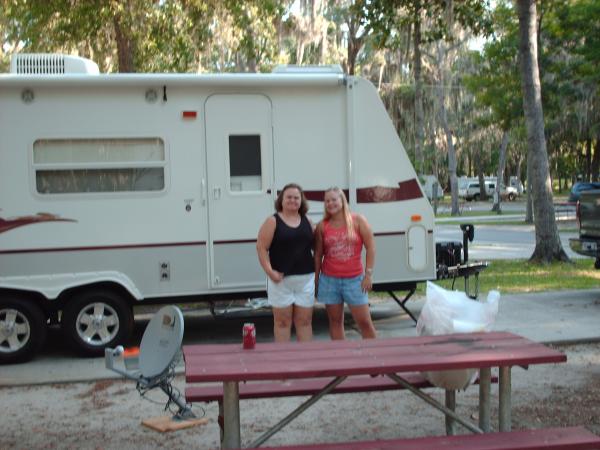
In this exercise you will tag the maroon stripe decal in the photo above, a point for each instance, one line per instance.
(406, 190)
(237, 241)
(391, 233)
(104, 247)
(318, 196)
(15, 222)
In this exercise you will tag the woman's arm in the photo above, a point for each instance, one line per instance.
(318, 253)
(369, 242)
(263, 243)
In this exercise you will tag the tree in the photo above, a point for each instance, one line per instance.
(496, 85)
(547, 245)
(392, 17)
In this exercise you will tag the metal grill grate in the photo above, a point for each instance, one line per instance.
(40, 64)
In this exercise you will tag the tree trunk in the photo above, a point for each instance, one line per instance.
(482, 191)
(588, 159)
(500, 176)
(547, 246)
(529, 204)
(596, 160)
(419, 119)
(125, 47)
(443, 77)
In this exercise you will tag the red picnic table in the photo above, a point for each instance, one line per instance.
(230, 364)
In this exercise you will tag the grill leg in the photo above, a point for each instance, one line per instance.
(402, 303)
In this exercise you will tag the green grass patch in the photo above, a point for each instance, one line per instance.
(520, 276)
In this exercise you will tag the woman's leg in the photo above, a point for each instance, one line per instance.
(282, 323)
(303, 322)
(335, 313)
(362, 317)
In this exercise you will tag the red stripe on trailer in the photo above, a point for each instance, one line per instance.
(406, 190)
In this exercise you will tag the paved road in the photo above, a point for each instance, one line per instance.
(500, 241)
(564, 316)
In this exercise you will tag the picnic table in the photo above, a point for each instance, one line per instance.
(337, 360)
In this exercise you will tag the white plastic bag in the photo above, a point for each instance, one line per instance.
(447, 312)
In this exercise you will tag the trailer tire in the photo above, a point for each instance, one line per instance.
(511, 197)
(476, 197)
(23, 329)
(96, 319)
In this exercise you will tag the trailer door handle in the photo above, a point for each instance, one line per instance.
(217, 193)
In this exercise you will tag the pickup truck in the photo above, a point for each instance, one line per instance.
(588, 218)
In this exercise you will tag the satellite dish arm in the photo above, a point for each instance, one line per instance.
(109, 361)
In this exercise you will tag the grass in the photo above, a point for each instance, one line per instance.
(519, 276)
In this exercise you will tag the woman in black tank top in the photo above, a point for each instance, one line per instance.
(284, 246)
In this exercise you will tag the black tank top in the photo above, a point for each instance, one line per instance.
(291, 248)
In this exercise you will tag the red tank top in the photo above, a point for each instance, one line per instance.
(341, 256)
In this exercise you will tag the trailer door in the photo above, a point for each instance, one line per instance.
(239, 144)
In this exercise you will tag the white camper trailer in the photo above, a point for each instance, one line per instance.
(116, 189)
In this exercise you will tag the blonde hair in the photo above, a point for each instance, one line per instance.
(346, 214)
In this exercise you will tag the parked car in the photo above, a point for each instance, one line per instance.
(472, 191)
(588, 219)
(579, 187)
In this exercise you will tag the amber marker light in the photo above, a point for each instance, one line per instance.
(415, 218)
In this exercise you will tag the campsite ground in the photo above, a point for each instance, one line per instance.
(107, 414)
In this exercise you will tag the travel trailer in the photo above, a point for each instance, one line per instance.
(122, 188)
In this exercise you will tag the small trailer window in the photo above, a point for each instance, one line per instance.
(65, 166)
(245, 173)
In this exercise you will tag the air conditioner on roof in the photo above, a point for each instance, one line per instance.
(51, 64)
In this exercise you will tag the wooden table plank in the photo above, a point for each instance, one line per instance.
(551, 438)
(335, 358)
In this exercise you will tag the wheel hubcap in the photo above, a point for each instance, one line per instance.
(14, 330)
(97, 324)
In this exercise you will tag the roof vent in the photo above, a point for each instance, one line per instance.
(331, 68)
(51, 64)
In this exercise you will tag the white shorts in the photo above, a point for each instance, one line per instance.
(292, 290)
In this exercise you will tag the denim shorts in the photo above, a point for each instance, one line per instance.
(334, 290)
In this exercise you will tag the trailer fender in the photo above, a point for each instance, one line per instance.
(50, 286)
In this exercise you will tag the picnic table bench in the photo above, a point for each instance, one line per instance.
(565, 210)
(573, 438)
(337, 360)
(311, 386)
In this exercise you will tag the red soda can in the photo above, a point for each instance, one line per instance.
(249, 335)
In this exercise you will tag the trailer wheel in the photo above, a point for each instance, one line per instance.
(23, 329)
(476, 197)
(511, 197)
(96, 319)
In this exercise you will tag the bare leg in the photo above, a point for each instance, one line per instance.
(303, 322)
(335, 313)
(282, 323)
(362, 317)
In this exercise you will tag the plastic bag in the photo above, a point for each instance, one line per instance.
(447, 312)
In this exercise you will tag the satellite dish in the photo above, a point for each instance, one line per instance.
(158, 352)
(161, 341)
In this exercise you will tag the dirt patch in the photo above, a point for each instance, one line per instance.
(108, 415)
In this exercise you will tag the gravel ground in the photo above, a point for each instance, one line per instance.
(108, 414)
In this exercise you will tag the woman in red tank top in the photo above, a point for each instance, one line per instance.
(339, 275)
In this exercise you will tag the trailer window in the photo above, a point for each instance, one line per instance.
(245, 173)
(65, 166)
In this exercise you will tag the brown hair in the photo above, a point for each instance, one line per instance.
(303, 202)
(346, 214)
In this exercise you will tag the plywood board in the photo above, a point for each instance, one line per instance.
(167, 423)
